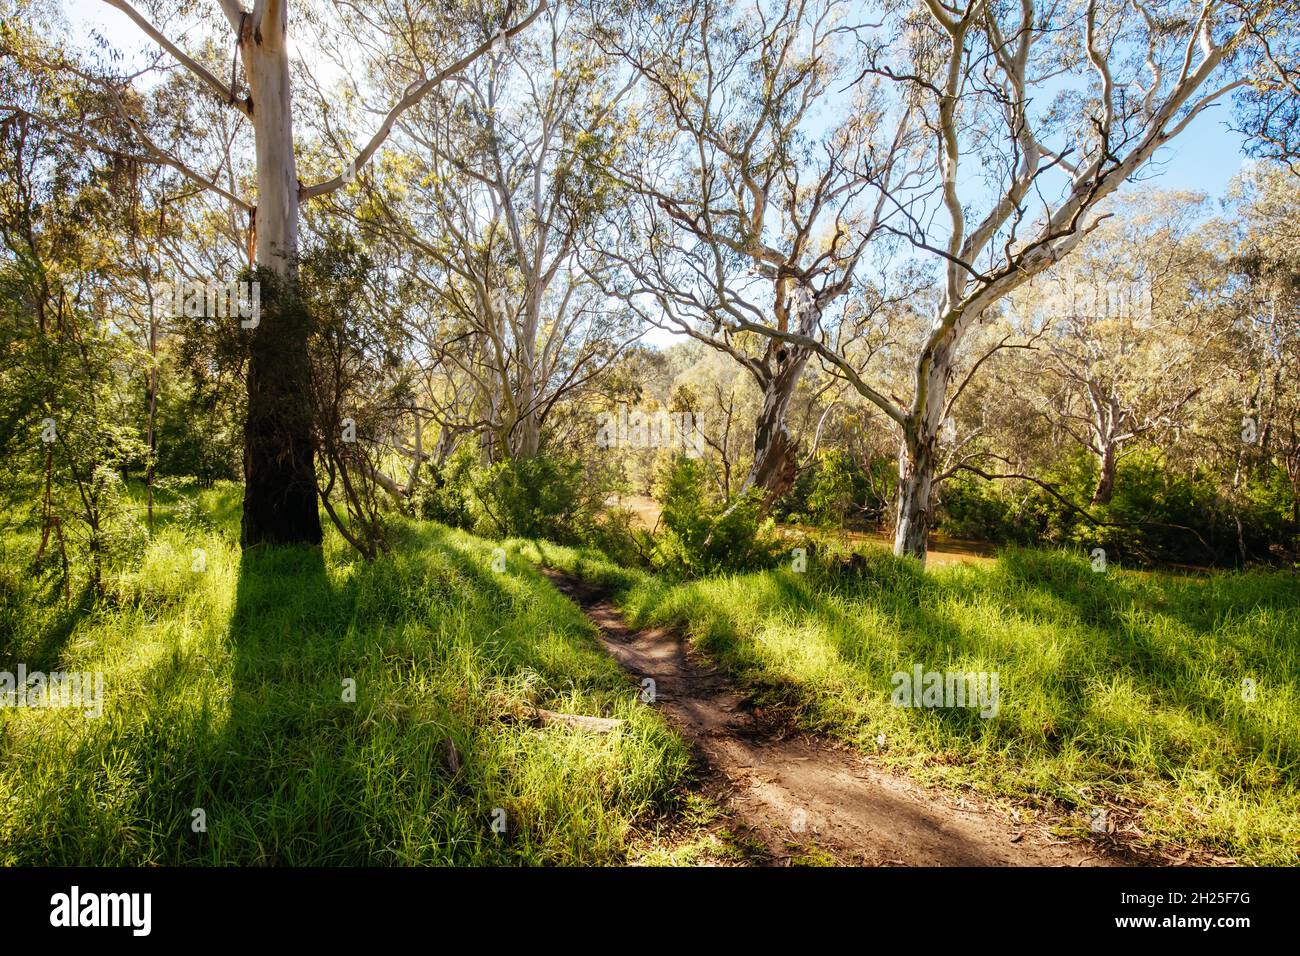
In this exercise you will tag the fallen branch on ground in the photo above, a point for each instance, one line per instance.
(595, 725)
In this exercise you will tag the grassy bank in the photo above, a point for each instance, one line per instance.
(224, 691)
(1118, 690)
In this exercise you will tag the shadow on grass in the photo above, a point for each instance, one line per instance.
(304, 775)
(42, 650)
(323, 758)
(1060, 634)
(234, 704)
(284, 606)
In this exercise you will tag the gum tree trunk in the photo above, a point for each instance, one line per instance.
(916, 457)
(529, 424)
(280, 504)
(776, 462)
(1105, 489)
(776, 451)
(915, 479)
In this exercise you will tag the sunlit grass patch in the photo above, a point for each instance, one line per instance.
(1175, 697)
(225, 693)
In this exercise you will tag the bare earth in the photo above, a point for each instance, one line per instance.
(792, 793)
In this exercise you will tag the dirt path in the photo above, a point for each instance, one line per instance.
(797, 793)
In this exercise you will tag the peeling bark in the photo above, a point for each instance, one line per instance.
(915, 478)
(776, 450)
(1105, 489)
(916, 457)
(776, 458)
(280, 499)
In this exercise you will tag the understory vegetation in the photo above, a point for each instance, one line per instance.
(225, 692)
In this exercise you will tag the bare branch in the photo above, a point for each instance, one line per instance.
(412, 99)
(225, 92)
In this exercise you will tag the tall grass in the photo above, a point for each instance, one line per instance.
(224, 693)
(1119, 689)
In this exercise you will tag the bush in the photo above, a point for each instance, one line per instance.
(616, 535)
(970, 507)
(832, 490)
(1160, 514)
(1157, 514)
(444, 494)
(836, 490)
(703, 536)
(551, 495)
(545, 496)
(196, 435)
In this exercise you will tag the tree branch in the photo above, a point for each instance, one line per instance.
(184, 59)
(412, 99)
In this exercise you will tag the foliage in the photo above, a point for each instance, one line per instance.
(543, 496)
(196, 434)
(1157, 515)
(703, 536)
(358, 383)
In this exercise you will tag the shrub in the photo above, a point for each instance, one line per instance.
(832, 491)
(540, 497)
(837, 489)
(1157, 514)
(616, 535)
(701, 535)
(196, 435)
(444, 494)
(554, 495)
(971, 507)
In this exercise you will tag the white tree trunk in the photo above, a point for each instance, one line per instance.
(916, 457)
(266, 65)
(527, 428)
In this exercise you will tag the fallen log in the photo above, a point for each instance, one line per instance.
(595, 725)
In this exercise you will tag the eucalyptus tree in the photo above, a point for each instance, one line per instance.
(504, 193)
(757, 189)
(1257, 394)
(1035, 113)
(1121, 354)
(1268, 107)
(280, 496)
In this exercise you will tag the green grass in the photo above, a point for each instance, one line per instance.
(1118, 689)
(224, 692)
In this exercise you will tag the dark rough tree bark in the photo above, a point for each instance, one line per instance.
(776, 450)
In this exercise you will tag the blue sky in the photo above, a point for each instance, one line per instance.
(1204, 157)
